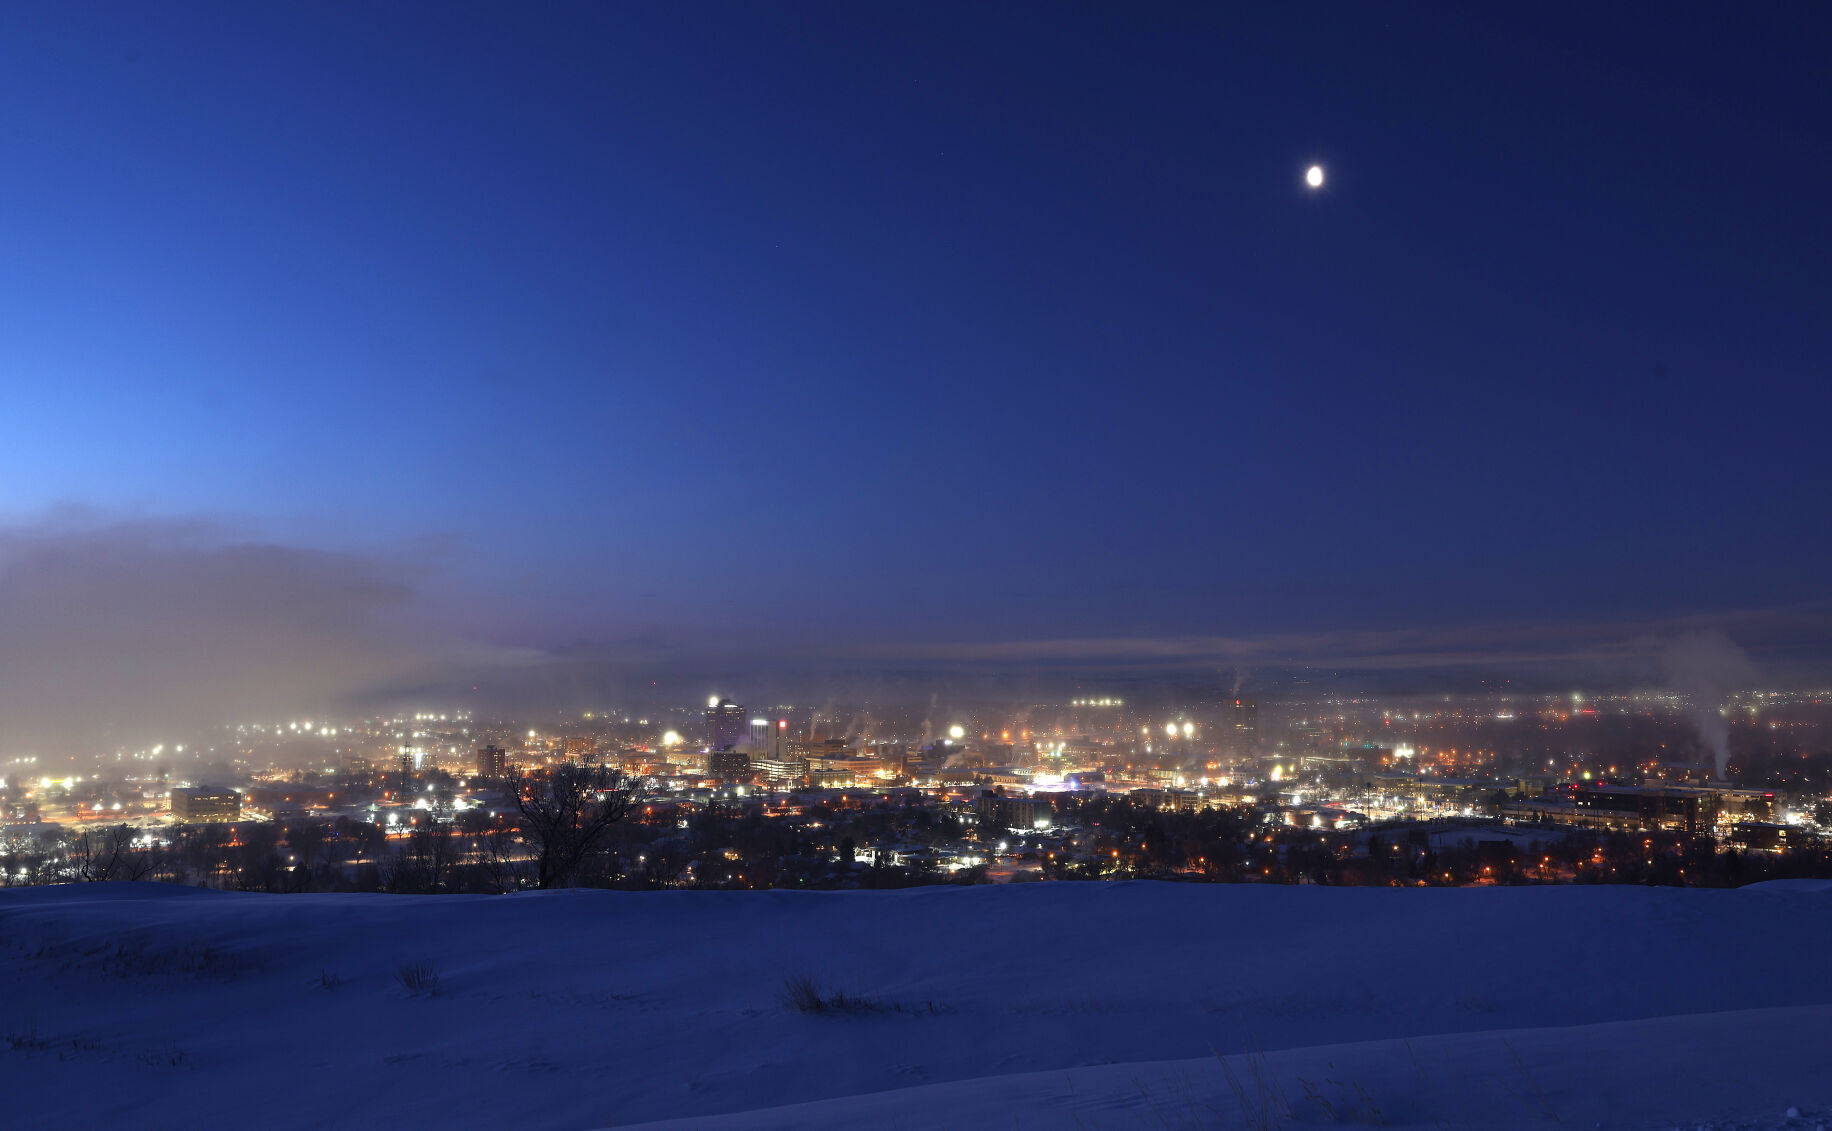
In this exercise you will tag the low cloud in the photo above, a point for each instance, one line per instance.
(1618, 653)
(125, 632)
(122, 632)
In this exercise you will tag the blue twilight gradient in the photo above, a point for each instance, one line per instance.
(939, 322)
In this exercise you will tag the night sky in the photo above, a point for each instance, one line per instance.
(911, 333)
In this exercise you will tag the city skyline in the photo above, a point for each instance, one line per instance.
(936, 566)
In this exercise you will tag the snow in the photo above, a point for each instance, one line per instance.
(1660, 1072)
(1035, 1005)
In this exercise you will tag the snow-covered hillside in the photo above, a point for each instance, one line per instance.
(1043, 1005)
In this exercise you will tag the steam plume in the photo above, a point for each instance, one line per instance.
(1706, 667)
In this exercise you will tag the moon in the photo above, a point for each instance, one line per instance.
(1313, 176)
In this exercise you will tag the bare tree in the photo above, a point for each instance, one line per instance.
(427, 861)
(567, 816)
(501, 859)
(109, 854)
(92, 855)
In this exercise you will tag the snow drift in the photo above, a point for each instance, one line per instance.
(1091, 1005)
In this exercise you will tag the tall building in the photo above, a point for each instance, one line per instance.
(727, 724)
(759, 734)
(492, 761)
(1242, 717)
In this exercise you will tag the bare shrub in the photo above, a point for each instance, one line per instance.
(419, 978)
(802, 994)
(26, 1038)
(1263, 1106)
(1530, 1089)
(135, 956)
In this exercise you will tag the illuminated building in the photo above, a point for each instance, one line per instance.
(1242, 723)
(1645, 808)
(780, 771)
(206, 804)
(492, 761)
(903, 759)
(759, 736)
(1020, 814)
(1682, 808)
(727, 724)
(728, 763)
(1765, 836)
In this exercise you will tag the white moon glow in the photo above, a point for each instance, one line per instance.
(1313, 176)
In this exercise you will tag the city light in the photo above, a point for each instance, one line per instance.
(1331, 765)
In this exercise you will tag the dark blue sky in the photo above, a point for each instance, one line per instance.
(920, 324)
